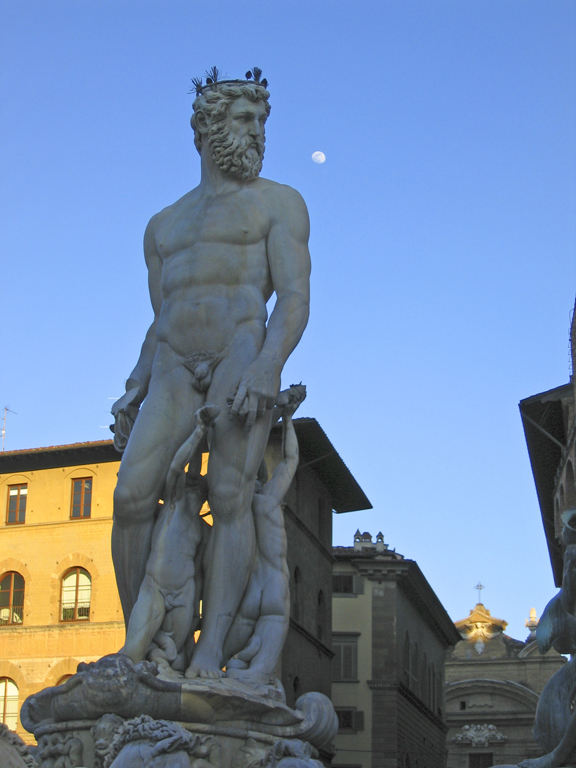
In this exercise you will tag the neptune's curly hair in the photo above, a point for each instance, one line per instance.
(213, 103)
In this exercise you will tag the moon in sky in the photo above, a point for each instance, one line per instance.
(319, 157)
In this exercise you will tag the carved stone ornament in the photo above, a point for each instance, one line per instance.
(114, 685)
(478, 735)
(61, 749)
(13, 751)
(142, 740)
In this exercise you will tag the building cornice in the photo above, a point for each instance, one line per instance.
(412, 580)
(55, 456)
(547, 442)
(311, 639)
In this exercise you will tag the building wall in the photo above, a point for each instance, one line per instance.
(307, 655)
(354, 613)
(497, 687)
(402, 724)
(421, 731)
(43, 649)
(411, 620)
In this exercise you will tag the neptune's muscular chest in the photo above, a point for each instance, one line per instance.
(217, 241)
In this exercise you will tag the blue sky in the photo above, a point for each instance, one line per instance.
(443, 239)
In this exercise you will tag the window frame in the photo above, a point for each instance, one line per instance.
(356, 717)
(19, 486)
(82, 480)
(6, 681)
(357, 582)
(342, 577)
(342, 639)
(77, 569)
(11, 607)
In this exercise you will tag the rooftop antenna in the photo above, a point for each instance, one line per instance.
(6, 410)
(479, 587)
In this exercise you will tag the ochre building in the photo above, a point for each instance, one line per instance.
(58, 599)
(59, 603)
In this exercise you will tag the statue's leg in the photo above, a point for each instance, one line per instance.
(165, 421)
(272, 626)
(178, 621)
(145, 620)
(245, 620)
(235, 456)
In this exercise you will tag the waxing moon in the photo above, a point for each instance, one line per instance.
(319, 157)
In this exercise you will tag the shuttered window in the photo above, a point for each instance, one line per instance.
(350, 720)
(345, 661)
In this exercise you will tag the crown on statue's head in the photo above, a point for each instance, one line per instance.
(214, 78)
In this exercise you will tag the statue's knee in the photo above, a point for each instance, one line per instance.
(225, 505)
(130, 505)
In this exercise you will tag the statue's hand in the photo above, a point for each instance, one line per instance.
(256, 390)
(124, 411)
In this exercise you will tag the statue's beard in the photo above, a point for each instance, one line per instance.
(238, 157)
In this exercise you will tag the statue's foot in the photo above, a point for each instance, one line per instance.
(204, 667)
(195, 671)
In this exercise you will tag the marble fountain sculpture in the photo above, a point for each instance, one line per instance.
(208, 377)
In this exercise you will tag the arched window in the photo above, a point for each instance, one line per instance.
(414, 668)
(406, 659)
(320, 616)
(297, 588)
(439, 694)
(8, 702)
(63, 679)
(296, 686)
(76, 591)
(11, 598)
(424, 680)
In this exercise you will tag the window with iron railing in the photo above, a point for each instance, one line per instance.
(11, 598)
(8, 702)
(76, 595)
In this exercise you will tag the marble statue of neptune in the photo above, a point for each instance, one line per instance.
(214, 259)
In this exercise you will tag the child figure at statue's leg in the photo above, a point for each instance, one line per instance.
(260, 627)
(163, 615)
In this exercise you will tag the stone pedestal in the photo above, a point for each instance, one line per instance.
(114, 714)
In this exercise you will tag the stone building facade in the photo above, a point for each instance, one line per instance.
(492, 687)
(59, 603)
(390, 635)
(549, 421)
